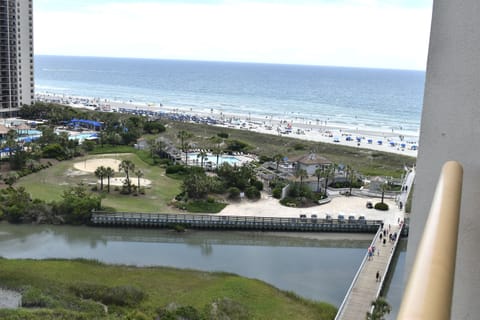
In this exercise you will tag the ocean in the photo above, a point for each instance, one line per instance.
(365, 99)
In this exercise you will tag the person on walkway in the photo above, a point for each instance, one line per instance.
(377, 276)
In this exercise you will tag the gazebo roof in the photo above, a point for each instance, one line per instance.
(3, 129)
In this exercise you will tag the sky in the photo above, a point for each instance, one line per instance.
(390, 34)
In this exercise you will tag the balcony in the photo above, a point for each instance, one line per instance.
(429, 291)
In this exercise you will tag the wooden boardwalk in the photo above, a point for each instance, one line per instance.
(204, 221)
(365, 288)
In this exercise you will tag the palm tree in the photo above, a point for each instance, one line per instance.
(202, 155)
(109, 172)
(100, 173)
(217, 151)
(351, 177)
(139, 174)
(380, 308)
(327, 172)
(278, 158)
(127, 166)
(301, 173)
(384, 187)
(184, 136)
(318, 173)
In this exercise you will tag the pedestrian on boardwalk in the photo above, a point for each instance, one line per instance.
(378, 276)
(384, 241)
(381, 236)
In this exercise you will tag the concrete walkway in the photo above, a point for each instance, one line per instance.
(365, 288)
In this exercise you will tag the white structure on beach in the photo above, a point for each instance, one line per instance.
(16, 56)
(311, 162)
(449, 131)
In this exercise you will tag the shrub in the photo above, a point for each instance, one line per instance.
(381, 206)
(223, 135)
(120, 295)
(233, 193)
(277, 192)
(258, 184)
(252, 193)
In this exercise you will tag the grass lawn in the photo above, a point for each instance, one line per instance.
(51, 287)
(49, 184)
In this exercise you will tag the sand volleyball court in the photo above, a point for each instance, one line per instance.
(91, 165)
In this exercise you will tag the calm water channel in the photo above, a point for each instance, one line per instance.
(320, 269)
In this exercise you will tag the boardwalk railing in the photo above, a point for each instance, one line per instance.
(365, 257)
(205, 221)
(429, 290)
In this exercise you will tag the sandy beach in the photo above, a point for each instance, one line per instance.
(394, 141)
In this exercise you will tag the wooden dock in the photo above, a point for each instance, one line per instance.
(365, 288)
(206, 221)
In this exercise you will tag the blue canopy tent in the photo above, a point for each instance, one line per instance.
(90, 124)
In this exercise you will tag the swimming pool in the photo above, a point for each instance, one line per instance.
(193, 158)
(83, 136)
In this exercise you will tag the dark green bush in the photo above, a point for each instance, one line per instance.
(223, 135)
(120, 295)
(381, 206)
(233, 193)
(258, 184)
(252, 193)
(277, 192)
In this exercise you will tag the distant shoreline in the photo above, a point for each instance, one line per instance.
(312, 130)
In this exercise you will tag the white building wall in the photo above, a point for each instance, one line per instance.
(450, 130)
(25, 51)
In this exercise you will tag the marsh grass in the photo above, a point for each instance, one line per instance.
(80, 289)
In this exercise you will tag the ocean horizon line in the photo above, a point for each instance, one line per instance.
(231, 62)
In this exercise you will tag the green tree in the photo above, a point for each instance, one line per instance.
(351, 177)
(139, 174)
(319, 174)
(100, 173)
(14, 204)
(184, 136)
(127, 167)
(302, 174)
(278, 158)
(217, 151)
(109, 173)
(327, 173)
(380, 308)
(196, 185)
(202, 155)
(77, 205)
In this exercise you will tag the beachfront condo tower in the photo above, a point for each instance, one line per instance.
(16, 56)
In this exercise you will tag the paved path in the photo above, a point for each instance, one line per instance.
(365, 288)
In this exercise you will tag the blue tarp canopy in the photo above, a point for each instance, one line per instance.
(89, 123)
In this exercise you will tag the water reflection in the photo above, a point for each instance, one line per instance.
(320, 269)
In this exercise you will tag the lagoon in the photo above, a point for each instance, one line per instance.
(309, 265)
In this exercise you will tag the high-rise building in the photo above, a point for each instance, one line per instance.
(16, 56)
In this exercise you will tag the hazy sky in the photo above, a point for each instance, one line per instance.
(361, 33)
